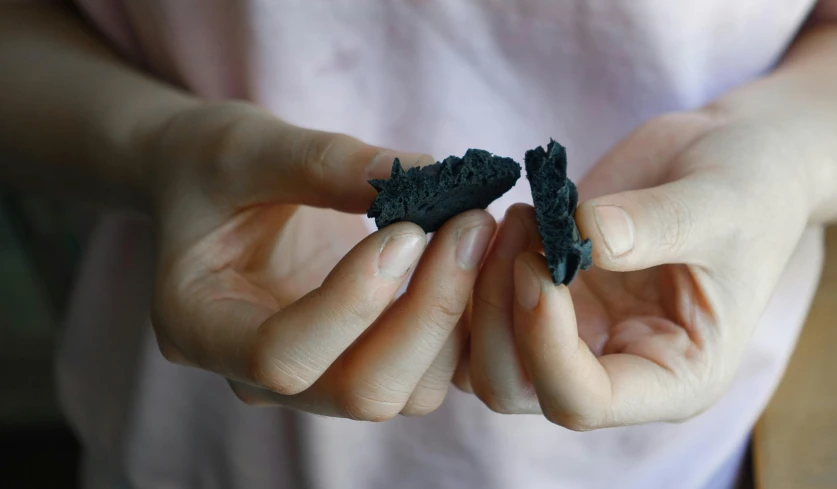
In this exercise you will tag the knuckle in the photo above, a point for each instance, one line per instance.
(366, 400)
(356, 307)
(246, 395)
(156, 316)
(361, 408)
(278, 375)
(316, 154)
(424, 403)
(499, 403)
(485, 300)
(463, 383)
(230, 148)
(170, 352)
(167, 348)
(675, 221)
(218, 122)
(444, 309)
(572, 421)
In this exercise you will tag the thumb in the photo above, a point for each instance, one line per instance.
(679, 222)
(325, 169)
(259, 158)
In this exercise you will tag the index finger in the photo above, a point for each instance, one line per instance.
(296, 346)
(225, 326)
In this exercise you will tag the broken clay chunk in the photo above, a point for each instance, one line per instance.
(555, 198)
(430, 195)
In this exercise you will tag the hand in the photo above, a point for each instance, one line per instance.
(252, 214)
(693, 218)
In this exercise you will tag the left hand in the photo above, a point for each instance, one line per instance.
(693, 218)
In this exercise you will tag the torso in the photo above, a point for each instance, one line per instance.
(436, 77)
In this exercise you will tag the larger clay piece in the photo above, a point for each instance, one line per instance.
(555, 198)
(430, 195)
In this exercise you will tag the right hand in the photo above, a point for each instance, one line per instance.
(251, 214)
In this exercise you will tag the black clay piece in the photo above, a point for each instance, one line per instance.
(555, 198)
(430, 195)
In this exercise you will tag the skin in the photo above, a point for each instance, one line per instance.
(239, 198)
(718, 199)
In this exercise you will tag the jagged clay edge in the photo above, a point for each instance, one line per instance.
(432, 182)
(566, 253)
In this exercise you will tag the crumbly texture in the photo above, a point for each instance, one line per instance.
(555, 198)
(430, 195)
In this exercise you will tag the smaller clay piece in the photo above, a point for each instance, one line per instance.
(430, 195)
(555, 198)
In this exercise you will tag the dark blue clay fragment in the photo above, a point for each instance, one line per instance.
(430, 195)
(555, 198)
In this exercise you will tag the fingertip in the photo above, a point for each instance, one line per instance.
(610, 228)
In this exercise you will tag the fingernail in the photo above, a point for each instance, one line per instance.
(616, 228)
(472, 245)
(400, 254)
(381, 166)
(527, 286)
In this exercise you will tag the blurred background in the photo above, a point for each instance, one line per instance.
(41, 243)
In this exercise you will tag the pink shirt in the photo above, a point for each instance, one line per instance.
(418, 75)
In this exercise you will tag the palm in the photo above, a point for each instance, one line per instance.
(286, 251)
(636, 312)
(633, 313)
(245, 269)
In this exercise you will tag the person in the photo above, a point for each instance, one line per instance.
(224, 142)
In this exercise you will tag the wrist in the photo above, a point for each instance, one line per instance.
(797, 101)
(805, 144)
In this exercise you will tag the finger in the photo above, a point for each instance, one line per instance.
(462, 375)
(461, 378)
(333, 170)
(433, 387)
(169, 349)
(496, 371)
(322, 397)
(296, 345)
(259, 158)
(315, 400)
(685, 221)
(574, 388)
(382, 371)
